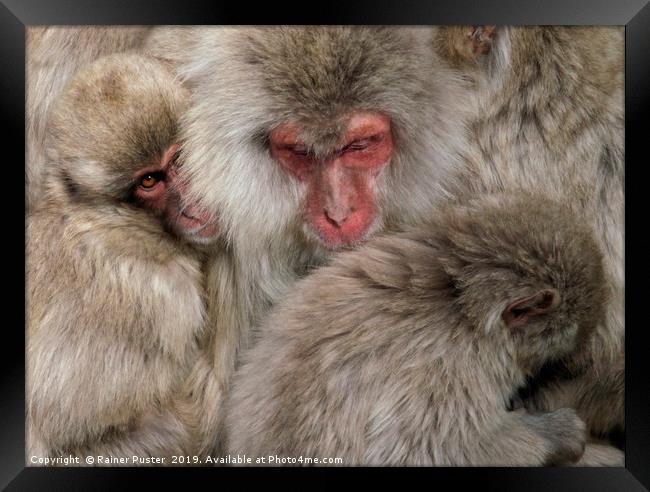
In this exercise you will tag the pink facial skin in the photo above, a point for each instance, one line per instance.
(340, 203)
(188, 221)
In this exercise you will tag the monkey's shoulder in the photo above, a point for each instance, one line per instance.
(390, 291)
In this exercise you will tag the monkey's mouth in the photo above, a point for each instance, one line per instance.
(195, 223)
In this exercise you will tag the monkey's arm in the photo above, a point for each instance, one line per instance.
(91, 397)
(598, 395)
(524, 439)
(203, 393)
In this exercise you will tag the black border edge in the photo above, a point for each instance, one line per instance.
(410, 12)
(12, 116)
(637, 244)
(635, 14)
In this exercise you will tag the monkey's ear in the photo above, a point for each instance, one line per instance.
(481, 39)
(521, 311)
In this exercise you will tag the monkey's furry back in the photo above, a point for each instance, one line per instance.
(395, 354)
(551, 119)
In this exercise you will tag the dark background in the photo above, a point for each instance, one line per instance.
(635, 14)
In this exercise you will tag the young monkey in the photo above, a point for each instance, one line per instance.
(408, 350)
(114, 297)
(550, 118)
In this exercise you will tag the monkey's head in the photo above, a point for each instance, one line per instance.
(526, 268)
(113, 138)
(327, 133)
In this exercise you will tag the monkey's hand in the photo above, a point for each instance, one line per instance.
(532, 439)
(599, 453)
(565, 433)
(598, 396)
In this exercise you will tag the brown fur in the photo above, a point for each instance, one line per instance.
(114, 301)
(266, 76)
(550, 119)
(397, 354)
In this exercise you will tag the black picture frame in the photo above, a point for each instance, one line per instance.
(634, 14)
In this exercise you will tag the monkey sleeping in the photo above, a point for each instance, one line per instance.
(114, 289)
(312, 141)
(339, 131)
(551, 119)
(408, 350)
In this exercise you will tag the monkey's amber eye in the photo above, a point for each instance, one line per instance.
(148, 181)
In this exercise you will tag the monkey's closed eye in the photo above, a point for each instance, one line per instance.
(298, 150)
(362, 144)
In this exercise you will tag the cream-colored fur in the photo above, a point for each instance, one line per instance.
(114, 302)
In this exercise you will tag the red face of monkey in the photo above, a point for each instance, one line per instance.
(341, 205)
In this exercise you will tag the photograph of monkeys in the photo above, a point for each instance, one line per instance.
(338, 245)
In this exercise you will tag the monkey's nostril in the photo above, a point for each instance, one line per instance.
(336, 218)
(334, 222)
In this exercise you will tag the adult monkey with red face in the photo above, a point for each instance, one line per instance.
(303, 141)
(340, 205)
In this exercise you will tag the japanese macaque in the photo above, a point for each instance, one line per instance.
(114, 287)
(310, 141)
(550, 118)
(408, 350)
(54, 55)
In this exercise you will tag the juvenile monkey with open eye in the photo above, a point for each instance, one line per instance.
(53, 55)
(311, 141)
(114, 287)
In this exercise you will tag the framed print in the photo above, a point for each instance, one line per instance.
(397, 239)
